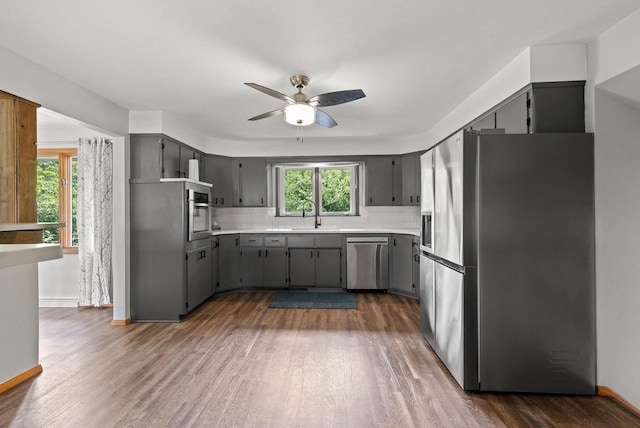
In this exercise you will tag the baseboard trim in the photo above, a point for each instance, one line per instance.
(58, 302)
(121, 322)
(20, 378)
(605, 391)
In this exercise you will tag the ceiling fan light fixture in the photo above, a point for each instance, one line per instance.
(299, 114)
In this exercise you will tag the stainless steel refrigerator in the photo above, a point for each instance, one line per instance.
(507, 290)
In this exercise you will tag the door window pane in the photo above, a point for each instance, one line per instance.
(48, 196)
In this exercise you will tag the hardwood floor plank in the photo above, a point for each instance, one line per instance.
(235, 362)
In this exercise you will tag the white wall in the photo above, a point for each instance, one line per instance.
(58, 282)
(535, 64)
(617, 160)
(612, 58)
(369, 218)
(29, 80)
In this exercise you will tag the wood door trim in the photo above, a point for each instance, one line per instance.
(126, 321)
(20, 378)
(605, 391)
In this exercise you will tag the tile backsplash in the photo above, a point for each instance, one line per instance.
(369, 218)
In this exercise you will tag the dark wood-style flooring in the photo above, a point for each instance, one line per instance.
(236, 363)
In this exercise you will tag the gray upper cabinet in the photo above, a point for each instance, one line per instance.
(557, 107)
(539, 108)
(513, 116)
(486, 122)
(155, 156)
(411, 179)
(383, 180)
(170, 159)
(217, 171)
(187, 153)
(249, 182)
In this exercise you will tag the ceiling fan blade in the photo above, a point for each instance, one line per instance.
(271, 92)
(267, 114)
(334, 98)
(324, 119)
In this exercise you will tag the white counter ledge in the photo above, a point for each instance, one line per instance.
(22, 254)
(343, 231)
(12, 227)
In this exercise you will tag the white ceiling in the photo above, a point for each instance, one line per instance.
(415, 59)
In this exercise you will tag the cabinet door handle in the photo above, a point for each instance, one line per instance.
(311, 253)
(411, 199)
(370, 199)
(262, 200)
(318, 254)
(394, 242)
(266, 253)
(418, 199)
(236, 242)
(216, 202)
(221, 201)
(259, 253)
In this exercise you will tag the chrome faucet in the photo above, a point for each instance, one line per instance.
(315, 211)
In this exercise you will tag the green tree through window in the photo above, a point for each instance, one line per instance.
(56, 192)
(329, 189)
(48, 196)
(298, 189)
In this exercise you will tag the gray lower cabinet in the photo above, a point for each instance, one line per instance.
(230, 261)
(252, 267)
(302, 267)
(198, 276)
(215, 264)
(275, 268)
(315, 260)
(405, 267)
(328, 267)
(264, 261)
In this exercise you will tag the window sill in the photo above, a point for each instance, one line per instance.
(70, 250)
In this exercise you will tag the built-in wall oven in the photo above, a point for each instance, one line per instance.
(199, 215)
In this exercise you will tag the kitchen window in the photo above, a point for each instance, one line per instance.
(57, 189)
(330, 188)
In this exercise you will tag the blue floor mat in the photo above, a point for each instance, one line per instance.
(314, 300)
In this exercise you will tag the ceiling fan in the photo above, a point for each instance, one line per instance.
(301, 110)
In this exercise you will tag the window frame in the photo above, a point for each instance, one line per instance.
(65, 157)
(316, 188)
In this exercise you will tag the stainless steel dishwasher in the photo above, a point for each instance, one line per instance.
(367, 263)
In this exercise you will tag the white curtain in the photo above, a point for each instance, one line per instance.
(95, 216)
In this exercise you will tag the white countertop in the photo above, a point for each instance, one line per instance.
(22, 254)
(188, 180)
(10, 227)
(414, 232)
